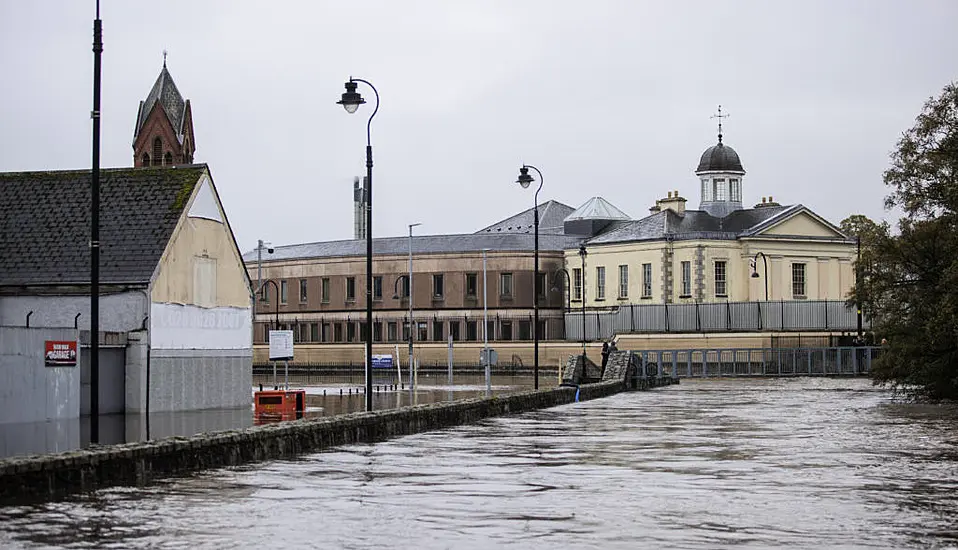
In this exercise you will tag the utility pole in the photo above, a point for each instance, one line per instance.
(95, 237)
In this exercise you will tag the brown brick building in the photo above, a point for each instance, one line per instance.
(322, 286)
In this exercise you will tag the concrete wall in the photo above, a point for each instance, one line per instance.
(29, 390)
(118, 312)
(138, 463)
(183, 380)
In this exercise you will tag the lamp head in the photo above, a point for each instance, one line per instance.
(525, 180)
(755, 274)
(582, 251)
(351, 99)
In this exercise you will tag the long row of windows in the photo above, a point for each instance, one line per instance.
(720, 281)
(506, 288)
(468, 330)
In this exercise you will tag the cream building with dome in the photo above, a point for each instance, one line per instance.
(721, 251)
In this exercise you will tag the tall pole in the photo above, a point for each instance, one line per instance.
(755, 272)
(412, 379)
(95, 237)
(858, 286)
(582, 253)
(525, 180)
(485, 325)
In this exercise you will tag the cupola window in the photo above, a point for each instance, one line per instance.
(736, 187)
(721, 191)
(706, 189)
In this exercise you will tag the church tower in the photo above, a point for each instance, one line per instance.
(163, 135)
(720, 171)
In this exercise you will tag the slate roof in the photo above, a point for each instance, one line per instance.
(720, 157)
(165, 91)
(425, 244)
(695, 224)
(597, 208)
(551, 216)
(45, 222)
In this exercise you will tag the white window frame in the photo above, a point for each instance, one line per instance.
(647, 280)
(623, 281)
(799, 283)
(600, 282)
(720, 283)
(577, 284)
(686, 278)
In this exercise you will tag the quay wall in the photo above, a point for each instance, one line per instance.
(47, 476)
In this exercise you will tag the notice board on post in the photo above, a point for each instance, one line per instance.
(280, 345)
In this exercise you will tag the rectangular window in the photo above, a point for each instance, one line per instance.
(623, 281)
(391, 333)
(646, 280)
(472, 285)
(505, 285)
(721, 279)
(472, 331)
(542, 285)
(438, 290)
(378, 288)
(264, 293)
(350, 332)
(491, 330)
(437, 331)
(798, 281)
(423, 331)
(525, 330)
(283, 292)
(204, 281)
(302, 290)
(314, 332)
(721, 190)
(505, 330)
(600, 283)
(686, 279)
(350, 289)
(304, 332)
(736, 186)
(405, 331)
(338, 330)
(576, 283)
(325, 290)
(454, 331)
(325, 337)
(706, 189)
(377, 331)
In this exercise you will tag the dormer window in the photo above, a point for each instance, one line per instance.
(157, 151)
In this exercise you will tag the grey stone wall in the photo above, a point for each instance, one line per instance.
(183, 380)
(139, 463)
(29, 390)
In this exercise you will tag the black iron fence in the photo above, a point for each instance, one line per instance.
(825, 361)
(784, 315)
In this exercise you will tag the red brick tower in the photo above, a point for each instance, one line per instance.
(163, 135)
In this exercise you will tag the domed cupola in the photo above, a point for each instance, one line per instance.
(720, 172)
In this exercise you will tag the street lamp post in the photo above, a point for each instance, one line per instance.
(858, 286)
(755, 274)
(583, 254)
(275, 318)
(412, 378)
(95, 236)
(525, 180)
(351, 100)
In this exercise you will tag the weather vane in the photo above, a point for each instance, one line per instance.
(720, 116)
(164, 62)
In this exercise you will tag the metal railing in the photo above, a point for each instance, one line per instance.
(783, 315)
(703, 363)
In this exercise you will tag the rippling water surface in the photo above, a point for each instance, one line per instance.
(798, 463)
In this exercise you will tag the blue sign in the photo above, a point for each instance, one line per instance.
(382, 361)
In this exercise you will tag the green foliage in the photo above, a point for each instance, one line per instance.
(910, 281)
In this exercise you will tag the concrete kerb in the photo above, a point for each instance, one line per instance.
(49, 476)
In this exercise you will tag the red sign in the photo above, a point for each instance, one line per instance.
(60, 354)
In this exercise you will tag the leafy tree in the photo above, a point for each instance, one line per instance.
(913, 279)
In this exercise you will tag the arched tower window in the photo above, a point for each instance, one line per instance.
(157, 151)
(145, 159)
(168, 159)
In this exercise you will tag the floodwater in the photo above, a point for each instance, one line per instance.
(756, 463)
(329, 395)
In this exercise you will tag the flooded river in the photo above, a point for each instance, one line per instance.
(756, 463)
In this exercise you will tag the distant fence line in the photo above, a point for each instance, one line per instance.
(824, 361)
(784, 315)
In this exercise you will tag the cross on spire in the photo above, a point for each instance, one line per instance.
(164, 58)
(720, 116)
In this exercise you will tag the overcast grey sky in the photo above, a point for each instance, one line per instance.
(608, 98)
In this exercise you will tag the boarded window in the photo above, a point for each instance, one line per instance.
(204, 281)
